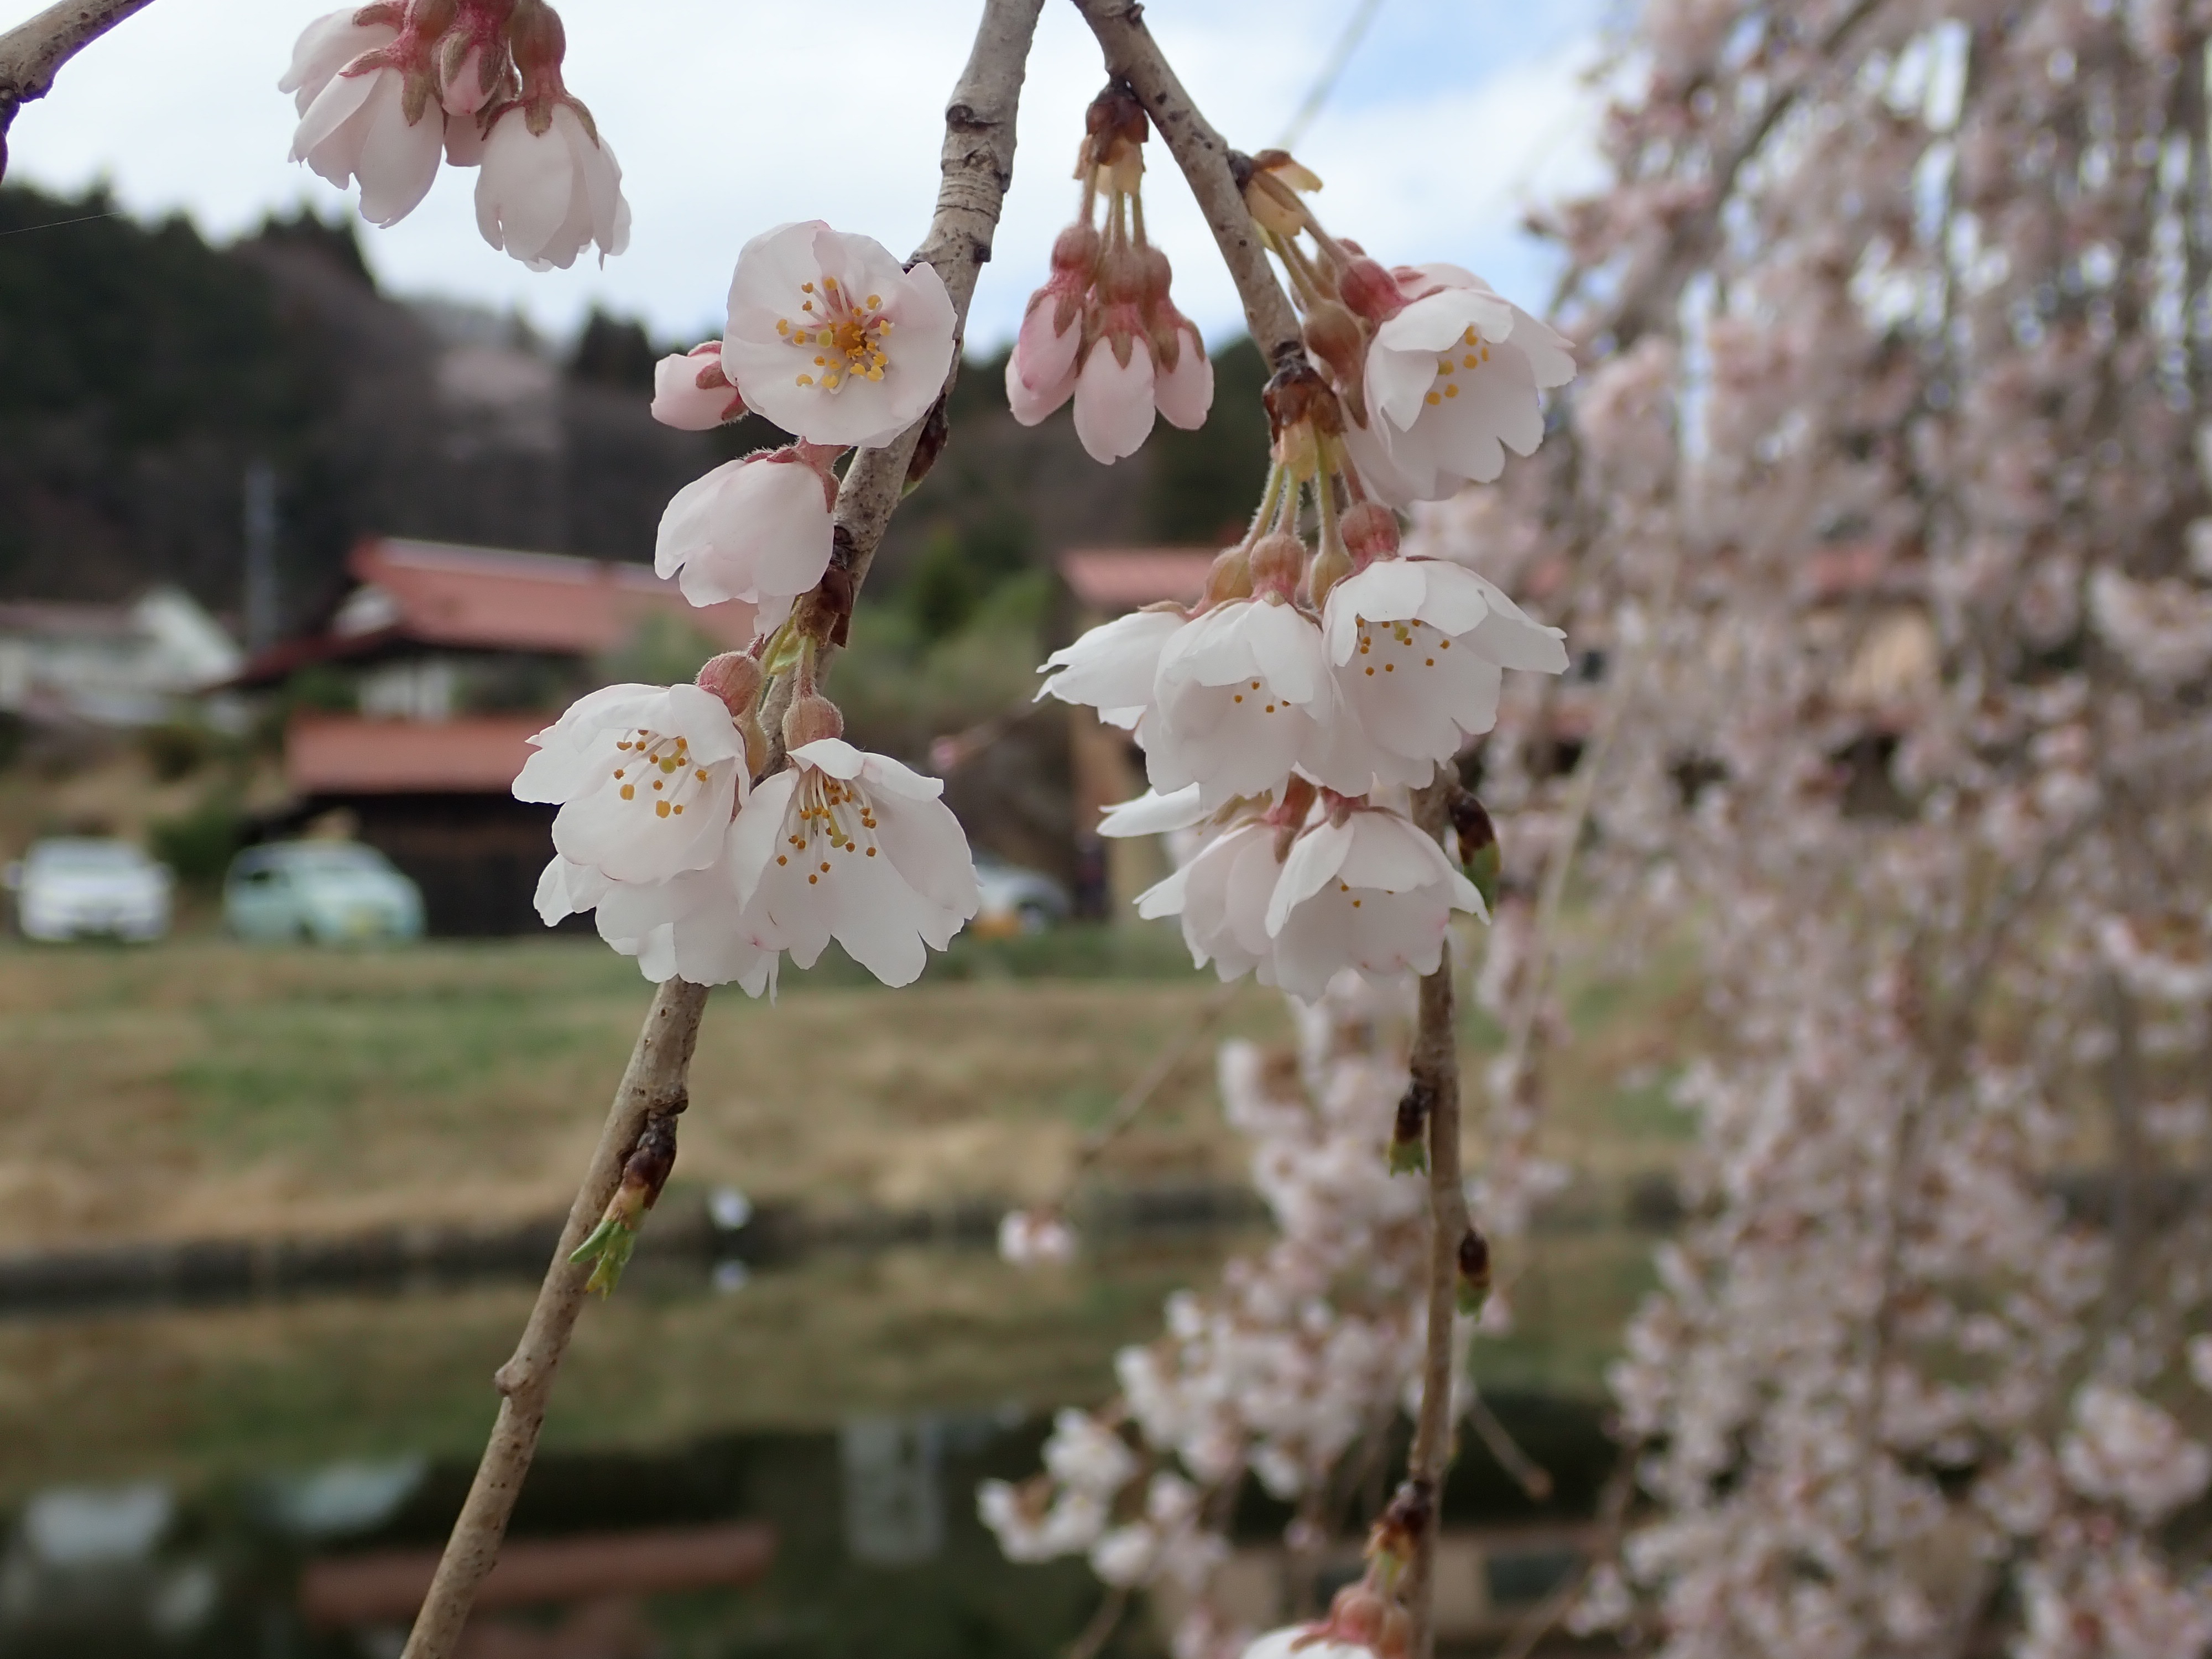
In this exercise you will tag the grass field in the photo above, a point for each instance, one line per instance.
(202, 1088)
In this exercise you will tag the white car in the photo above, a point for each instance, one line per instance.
(67, 887)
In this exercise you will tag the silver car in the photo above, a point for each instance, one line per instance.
(70, 887)
(331, 892)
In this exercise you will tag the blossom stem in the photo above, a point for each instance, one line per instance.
(977, 164)
(1203, 154)
(32, 53)
(1435, 1069)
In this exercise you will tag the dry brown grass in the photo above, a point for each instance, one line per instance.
(204, 1088)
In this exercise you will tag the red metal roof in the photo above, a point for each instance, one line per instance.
(1118, 579)
(344, 755)
(484, 598)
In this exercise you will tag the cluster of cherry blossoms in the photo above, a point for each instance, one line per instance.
(697, 864)
(1287, 715)
(385, 90)
(1306, 1352)
(1102, 330)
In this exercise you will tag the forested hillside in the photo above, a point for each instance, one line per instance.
(142, 369)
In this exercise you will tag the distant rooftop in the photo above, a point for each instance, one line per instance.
(1118, 579)
(481, 598)
(342, 755)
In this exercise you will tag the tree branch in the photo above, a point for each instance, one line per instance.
(32, 53)
(1436, 1071)
(1204, 156)
(978, 160)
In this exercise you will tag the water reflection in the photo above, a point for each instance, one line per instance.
(234, 1480)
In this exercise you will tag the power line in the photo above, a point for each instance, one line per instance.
(1347, 43)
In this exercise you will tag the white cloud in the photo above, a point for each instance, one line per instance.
(732, 115)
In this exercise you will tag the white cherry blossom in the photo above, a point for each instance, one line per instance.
(1222, 897)
(756, 529)
(846, 845)
(1451, 383)
(546, 195)
(325, 47)
(358, 127)
(646, 776)
(830, 338)
(1366, 890)
(1418, 647)
(1115, 666)
(690, 926)
(1243, 696)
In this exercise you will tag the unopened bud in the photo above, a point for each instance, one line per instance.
(538, 40)
(1333, 335)
(1473, 1272)
(1371, 533)
(809, 720)
(1076, 248)
(1409, 1130)
(1278, 561)
(735, 679)
(1330, 566)
(1355, 1616)
(1370, 290)
(1231, 578)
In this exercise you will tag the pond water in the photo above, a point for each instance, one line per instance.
(220, 1481)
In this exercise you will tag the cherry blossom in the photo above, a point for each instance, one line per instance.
(1102, 330)
(1393, 630)
(545, 193)
(647, 778)
(1115, 666)
(846, 845)
(691, 393)
(327, 46)
(756, 529)
(830, 338)
(1222, 896)
(359, 126)
(1244, 695)
(1363, 889)
(689, 926)
(1029, 1237)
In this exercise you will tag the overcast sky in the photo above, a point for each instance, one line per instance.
(732, 115)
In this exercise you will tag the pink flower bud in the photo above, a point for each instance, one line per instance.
(1333, 335)
(1371, 533)
(1075, 250)
(735, 677)
(1278, 561)
(466, 81)
(809, 720)
(1370, 290)
(691, 393)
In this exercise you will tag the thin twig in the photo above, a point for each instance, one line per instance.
(658, 1066)
(1436, 1070)
(1138, 1094)
(1203, 154)
(1532, 1477)
(1103, 1623)
(978, 165)
(32, 53)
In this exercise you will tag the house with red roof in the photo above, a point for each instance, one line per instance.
(446, 659)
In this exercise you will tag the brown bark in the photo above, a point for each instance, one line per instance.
(32, 53)
(978, 164)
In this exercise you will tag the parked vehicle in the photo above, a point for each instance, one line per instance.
(68, 887)
(332, 892)
(1017, 900)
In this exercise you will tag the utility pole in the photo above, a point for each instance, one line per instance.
(260, 555)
